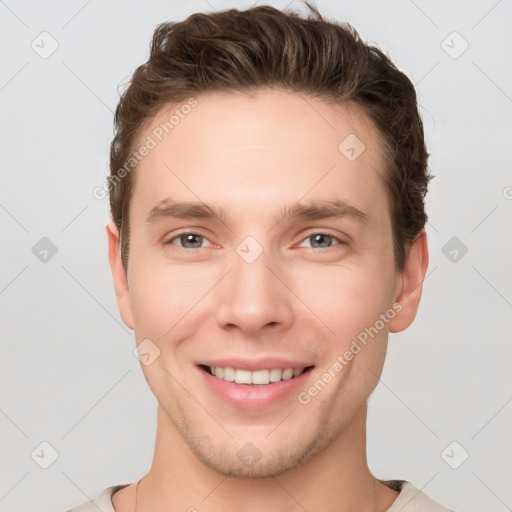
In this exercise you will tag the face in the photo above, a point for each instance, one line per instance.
(294, 272)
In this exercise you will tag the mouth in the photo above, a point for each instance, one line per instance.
(262, 377)
(255, 387)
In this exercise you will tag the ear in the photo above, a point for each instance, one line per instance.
(119, 274)
(412, 278)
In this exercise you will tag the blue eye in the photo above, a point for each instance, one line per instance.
(188, 238)
(323, 240)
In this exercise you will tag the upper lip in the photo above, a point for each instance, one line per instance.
(266, 363)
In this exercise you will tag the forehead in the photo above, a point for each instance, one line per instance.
(259, 149)
(255, 114)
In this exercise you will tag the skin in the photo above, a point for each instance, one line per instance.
(299, 300)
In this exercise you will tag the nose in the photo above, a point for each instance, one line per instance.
(255, 296)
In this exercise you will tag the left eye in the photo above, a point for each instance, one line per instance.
(322, 240)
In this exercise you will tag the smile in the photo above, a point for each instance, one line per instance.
(258, 377)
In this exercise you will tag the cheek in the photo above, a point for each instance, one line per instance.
(347, 299)
(171, 302)
(159, 298)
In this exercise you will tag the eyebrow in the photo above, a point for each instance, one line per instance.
(334, 208)
(167, 208)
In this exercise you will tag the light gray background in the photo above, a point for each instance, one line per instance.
(69, 377)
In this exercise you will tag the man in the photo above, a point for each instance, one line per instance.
(267, 189)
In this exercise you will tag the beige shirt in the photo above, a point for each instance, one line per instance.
(410, 499)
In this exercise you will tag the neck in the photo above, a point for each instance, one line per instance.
(338, 479)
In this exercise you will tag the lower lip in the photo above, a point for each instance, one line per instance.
(247, 396)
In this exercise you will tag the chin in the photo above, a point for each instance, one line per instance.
(260, 459)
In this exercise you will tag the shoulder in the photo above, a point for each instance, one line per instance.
(412, 499)
(103, 501)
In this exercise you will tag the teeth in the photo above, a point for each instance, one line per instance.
(242, 376)
(260, 377)
(275, 375)
(229, 374)
(287, 374)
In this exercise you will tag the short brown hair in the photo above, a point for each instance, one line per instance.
(263, 47)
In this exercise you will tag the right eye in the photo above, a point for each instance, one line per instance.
(194, 239)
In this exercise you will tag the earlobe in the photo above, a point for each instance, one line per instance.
(119, 274)
(412, 278)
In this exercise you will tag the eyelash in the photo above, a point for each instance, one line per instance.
(175, 237)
